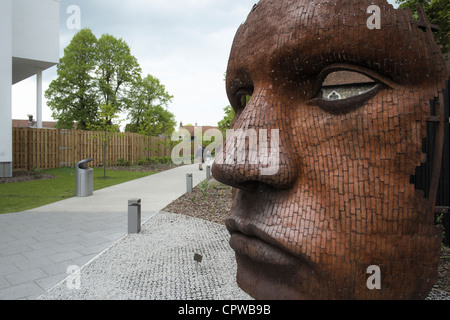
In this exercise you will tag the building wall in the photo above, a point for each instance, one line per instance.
(36, 30)
(5, 89)
(29, 40)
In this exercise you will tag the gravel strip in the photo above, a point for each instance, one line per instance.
(438, 295)
(158, 264)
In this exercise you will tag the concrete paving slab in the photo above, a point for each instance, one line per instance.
(37, 246)
(156, 192)
(158, 264)
(21, 291)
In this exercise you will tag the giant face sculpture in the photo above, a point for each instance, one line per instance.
(341, 200)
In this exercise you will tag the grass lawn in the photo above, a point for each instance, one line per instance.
(21, 196)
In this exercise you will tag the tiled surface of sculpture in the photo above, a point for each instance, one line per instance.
(341, 200)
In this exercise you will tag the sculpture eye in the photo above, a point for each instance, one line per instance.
(342, 85)
(343, 91)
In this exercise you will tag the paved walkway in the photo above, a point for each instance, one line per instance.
(159, 264)
(38, 246)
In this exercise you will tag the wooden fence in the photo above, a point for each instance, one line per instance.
(50, 148)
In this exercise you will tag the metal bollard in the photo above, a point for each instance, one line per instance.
(189, 182)
(134, 216)
(208, 172)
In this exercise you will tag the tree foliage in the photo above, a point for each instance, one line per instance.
(73, 96)
(438, 12)
(226, 122)
(157, 121)
(103, 72)
(147, 108)
(117, 70)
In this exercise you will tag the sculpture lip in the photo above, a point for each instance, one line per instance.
(249, 241)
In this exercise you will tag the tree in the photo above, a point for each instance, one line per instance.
(91, 73)
(225, 123)
(73, 95)
(108, 123)
(156, 121)
(117, 70)
(147, 108)
(438, 12)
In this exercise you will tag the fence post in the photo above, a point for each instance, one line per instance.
(28, 146)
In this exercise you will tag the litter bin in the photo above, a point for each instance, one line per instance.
(84, 179)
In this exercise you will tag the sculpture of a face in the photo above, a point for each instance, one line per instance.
(342, 199)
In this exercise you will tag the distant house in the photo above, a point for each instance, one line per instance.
(192, 130)
(30, 123)
(345, 84)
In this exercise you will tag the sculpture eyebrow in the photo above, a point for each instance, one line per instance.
(305, 54)
(302, 56)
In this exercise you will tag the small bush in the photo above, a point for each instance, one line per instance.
(155, 160)
(123, 163)
(142, 162)
(36, 173)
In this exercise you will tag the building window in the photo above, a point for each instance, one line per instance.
(334, 96)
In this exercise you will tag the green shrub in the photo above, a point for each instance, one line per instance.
(155, 160)
(142, 162)
(37, 173)
(123, 163)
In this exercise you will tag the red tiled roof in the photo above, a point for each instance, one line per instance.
(25, 124)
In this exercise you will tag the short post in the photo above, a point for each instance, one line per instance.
(189, 182)
(134, 216)
(208, 172)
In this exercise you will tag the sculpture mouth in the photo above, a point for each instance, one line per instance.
(260, 251)
(254, 244)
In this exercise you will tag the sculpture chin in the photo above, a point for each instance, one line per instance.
(265, 270)
(267, 281)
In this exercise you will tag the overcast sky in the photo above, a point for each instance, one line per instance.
(184, 43)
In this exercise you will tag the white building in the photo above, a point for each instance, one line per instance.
(30, 44)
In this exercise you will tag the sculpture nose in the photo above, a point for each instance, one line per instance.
(258, 152)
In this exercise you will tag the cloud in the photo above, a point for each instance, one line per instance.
(184, 43)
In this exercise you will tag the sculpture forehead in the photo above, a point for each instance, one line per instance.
(306, 36)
